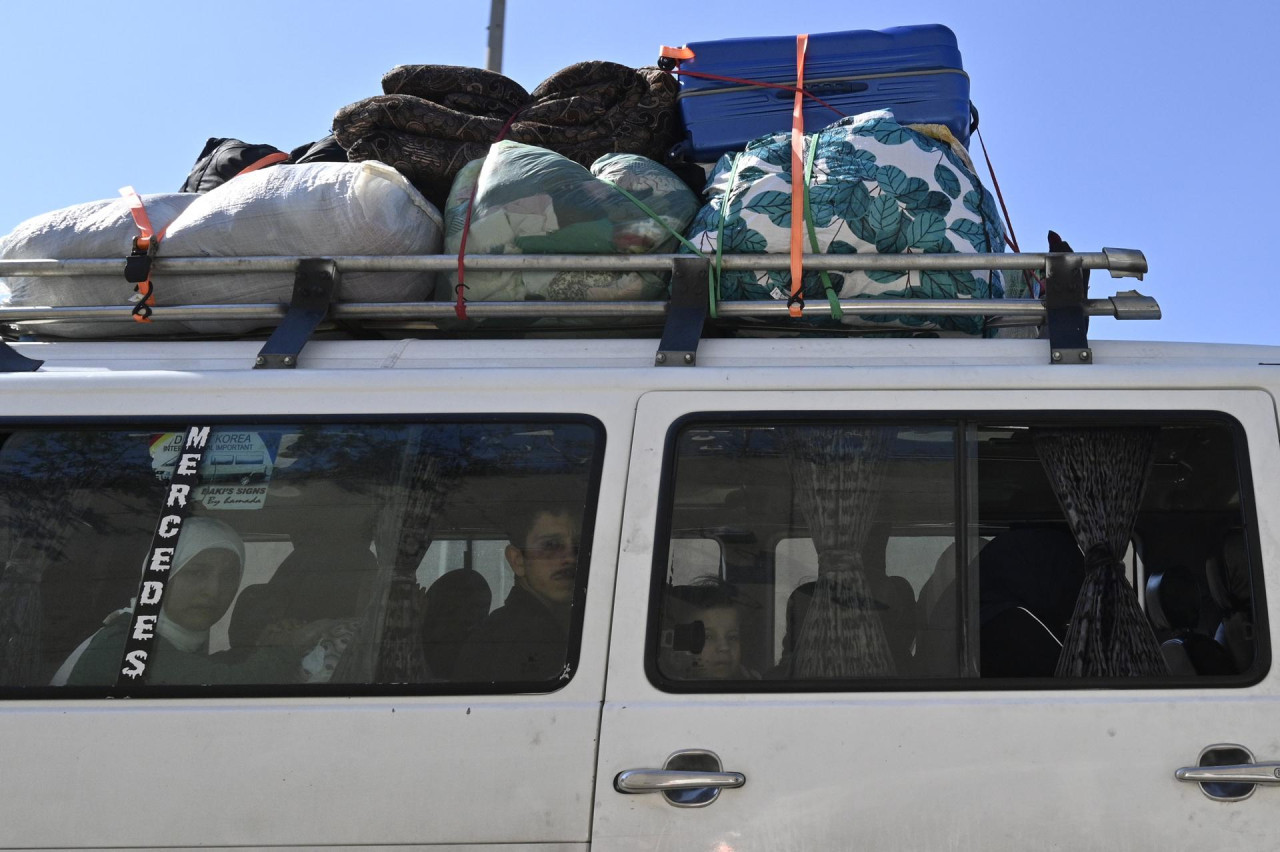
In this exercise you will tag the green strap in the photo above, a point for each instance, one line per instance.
(724, 212)
(832, 298)
(713, 274)
(655, 217)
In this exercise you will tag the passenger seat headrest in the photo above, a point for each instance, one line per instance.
(1173, 601)
(1228, 573)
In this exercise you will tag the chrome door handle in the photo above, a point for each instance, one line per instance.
(1243, 773)
(666, 780)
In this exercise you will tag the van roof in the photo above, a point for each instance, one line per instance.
(615, 353)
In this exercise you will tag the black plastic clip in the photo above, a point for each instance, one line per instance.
(1066, 290)
(137, 271)
(137, 266)
(315, 286)
(12, 362)
(686, 312)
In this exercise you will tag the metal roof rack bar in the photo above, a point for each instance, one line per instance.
(1065, 310)
(1119, 262)
(1127, 305)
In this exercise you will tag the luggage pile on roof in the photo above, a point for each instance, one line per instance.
(703, 155)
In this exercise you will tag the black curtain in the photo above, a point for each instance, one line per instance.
(836, 473)
(1099, 476)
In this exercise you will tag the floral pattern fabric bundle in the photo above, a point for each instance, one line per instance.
(874, 186)
(528, 200)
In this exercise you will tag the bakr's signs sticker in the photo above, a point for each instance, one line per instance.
(234, 474)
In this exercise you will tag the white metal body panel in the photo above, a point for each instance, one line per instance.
(906, 770)
(924, 770)
(514, 769)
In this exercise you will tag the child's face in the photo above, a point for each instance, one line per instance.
(199, 594)
(721, 656)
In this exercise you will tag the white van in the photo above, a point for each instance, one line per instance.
(566, 590)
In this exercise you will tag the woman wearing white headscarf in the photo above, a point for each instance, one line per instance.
(203, 580)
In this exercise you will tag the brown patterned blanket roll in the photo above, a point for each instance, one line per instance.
(434, 119)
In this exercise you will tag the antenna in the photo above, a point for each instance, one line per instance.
(493, 56)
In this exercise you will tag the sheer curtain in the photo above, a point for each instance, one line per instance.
(836, 473)
(1099, 476)
(388, 646)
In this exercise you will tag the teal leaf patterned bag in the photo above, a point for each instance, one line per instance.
(875, 187)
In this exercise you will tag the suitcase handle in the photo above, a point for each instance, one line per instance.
(835, 87)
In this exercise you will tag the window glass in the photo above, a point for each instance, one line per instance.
(344, 557)
(693, 559)
(887, 554)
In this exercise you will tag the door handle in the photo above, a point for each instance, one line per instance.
(1243, 773)
(1228, 772)
(666, 780)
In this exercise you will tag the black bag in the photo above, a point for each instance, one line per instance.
(223, 159)
(326, 150)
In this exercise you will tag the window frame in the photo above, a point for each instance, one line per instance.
(594, 473)
(962, 421)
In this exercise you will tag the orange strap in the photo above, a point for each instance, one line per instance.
(795, 304)
(140, 218)
(269, 160)
(148, 240)
(678, 54)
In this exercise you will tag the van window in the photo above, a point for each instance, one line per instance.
(693, 559)
(343, 557)
(967, 553)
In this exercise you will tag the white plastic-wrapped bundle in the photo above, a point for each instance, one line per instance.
(98, 229)
(317, 210)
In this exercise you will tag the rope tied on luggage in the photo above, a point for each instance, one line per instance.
(460, 305)
(670, 59)
(801, 171)
(832, 298)
(1028, 275)
(673, 56)
(713, 270)
(724, 208)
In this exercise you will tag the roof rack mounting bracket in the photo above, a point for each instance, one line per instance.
(686, 312)
(1066, 289)
(13, 362)
(315, 286)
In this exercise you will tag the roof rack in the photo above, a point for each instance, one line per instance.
(1064, 312)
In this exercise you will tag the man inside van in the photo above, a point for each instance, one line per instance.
(527, 638)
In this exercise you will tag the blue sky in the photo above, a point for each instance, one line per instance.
(1147, 125)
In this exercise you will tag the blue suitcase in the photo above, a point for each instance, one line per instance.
(914, 71)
